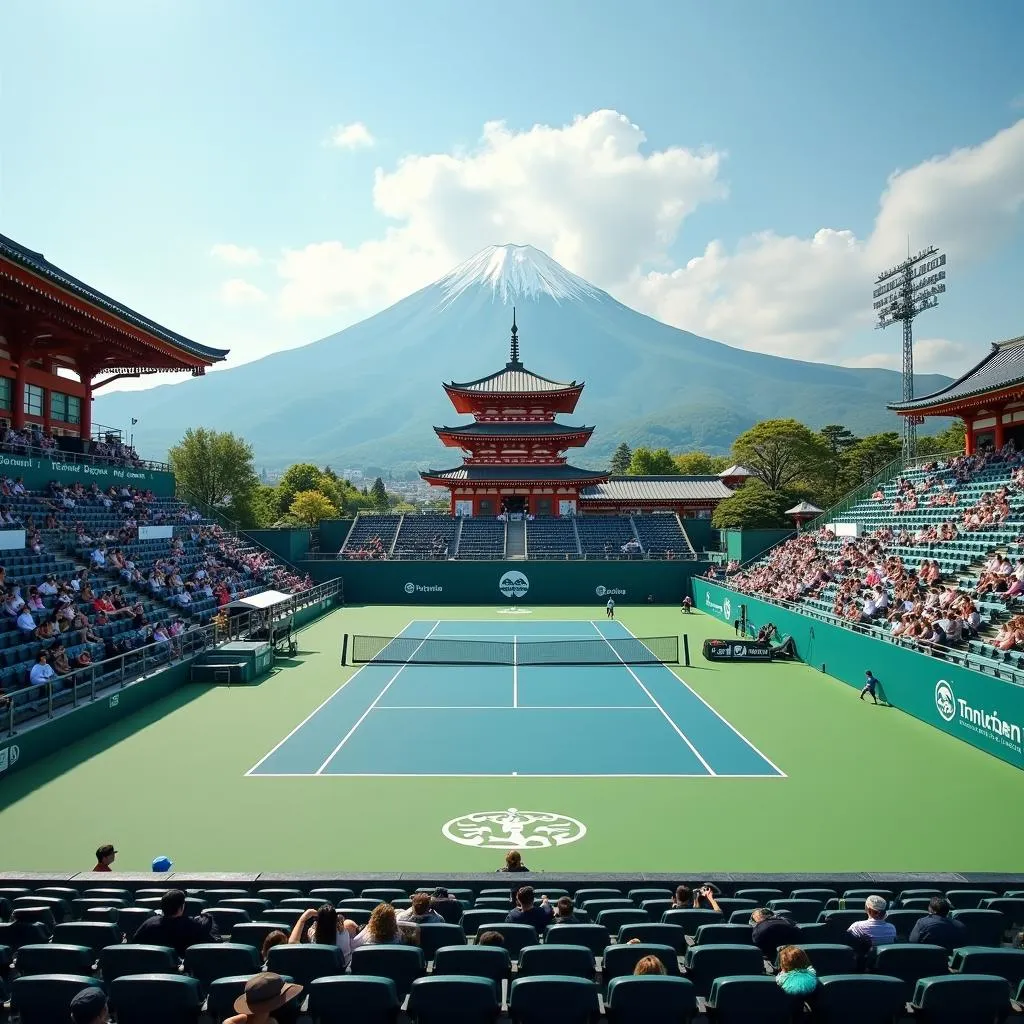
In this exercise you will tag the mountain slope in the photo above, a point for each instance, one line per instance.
(370, 394)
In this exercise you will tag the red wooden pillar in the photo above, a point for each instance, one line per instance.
(18, 397)
(85, 425)
(968, 436)
(998, 438)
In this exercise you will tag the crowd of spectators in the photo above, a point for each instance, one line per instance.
(32, 439)
(373, 548)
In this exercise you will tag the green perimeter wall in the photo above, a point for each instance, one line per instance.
(37, 473)
(26, 747)
(978, 709)
(454, 582)
(289, 544)
(743, 545)
(333, 533)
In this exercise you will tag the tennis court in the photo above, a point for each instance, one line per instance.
(556, 698)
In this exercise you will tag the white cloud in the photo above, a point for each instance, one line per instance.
(237, 292)
(236, 255)
(931, 355)
(595, 196)
(351, 136)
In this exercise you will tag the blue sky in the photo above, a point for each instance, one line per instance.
(137, 138)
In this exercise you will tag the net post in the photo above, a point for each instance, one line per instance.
(686, 650)
(344, 647)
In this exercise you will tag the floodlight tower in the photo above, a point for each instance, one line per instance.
(900, 294)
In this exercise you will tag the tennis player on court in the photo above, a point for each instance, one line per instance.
(609, 609)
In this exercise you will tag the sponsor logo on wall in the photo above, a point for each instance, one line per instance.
(416, 588)
(610, 592)
(81, 468)
(514, 584)
(9, 757)
(513, 829)
(955, 710)
(724, 609)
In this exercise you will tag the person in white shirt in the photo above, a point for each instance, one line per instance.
(14, 603)
(609, 609)
(98, 557)
(25, 621)
(48, 587)
(41, 672)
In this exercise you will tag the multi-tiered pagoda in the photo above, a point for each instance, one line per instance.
(514, 458)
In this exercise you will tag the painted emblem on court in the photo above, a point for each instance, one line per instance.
(8, 757)
(727, 608)
(945, 700)
(513, 829)
(410, 588)
(513, 584)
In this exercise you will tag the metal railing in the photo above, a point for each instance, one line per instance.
(955, 655)
(88, 682)
(59, 455)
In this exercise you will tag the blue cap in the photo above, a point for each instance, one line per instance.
(87, 1005)
(163, 864)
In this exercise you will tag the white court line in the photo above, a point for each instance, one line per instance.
(725, 720)
(518, 707)
(505, 775)
(668, 717)
(362, 717)
(515, 673)
(278, 746)
(536, 638)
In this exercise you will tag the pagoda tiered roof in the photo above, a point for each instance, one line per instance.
(513, 428)
(514, 474)
(514, 378)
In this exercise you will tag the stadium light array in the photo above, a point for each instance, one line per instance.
(902, 293)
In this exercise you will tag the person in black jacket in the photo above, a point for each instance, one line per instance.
(442, 901)
(937, 928)
(172, 928)
(771, 933)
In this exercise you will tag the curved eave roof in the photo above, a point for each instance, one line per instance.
(533, 430)
(514, 474)
(1002, 367)
(513, 378)
(37, 264)
(658, 488)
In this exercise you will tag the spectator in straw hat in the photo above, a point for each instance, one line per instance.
(264, 993)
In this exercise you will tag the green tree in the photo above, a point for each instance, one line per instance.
(309, 507)
(215, 468)
(754, 506)
(949, 440)
(621, 458)
(870, 455)
(379, 495)
(652, 462)
(836, 441)
(263, 506)
(699, 464)
(779, 452)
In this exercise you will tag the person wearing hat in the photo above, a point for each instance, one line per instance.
(264, 993)
(105, 857)
(89, 1006)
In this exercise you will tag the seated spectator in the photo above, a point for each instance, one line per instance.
(771, 933)
(796, 976)
(874, 927)
(264, 993)
(381, 930)
(322, 926)
(649, 965)
(89, 1006)
(938, 929)
(565, 913)
(420, 912)
(683, 898)
(274, 938)
(514, 862)
(527, 912)
(41, 672)
(443, 903)
(490, 938)
(171, 927)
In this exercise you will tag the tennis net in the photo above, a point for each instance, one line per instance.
(403, 650)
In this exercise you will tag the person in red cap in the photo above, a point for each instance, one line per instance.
(264, 993)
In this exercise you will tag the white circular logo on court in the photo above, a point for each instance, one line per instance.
(410, 588)
(727, 608)
(513, 829)
(945, 700)
(513, 584)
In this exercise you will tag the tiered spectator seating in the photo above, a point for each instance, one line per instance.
(425, 536)
(604, 535)
(662, 533)
(548, 537)
(32, 440)
(371, 536)
(481, 538)
(57, 940)
(939, 522)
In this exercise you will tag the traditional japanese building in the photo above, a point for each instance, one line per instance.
(514, 449)
(62, 340)
(989, 398)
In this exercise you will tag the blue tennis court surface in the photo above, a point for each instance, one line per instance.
(416, 719)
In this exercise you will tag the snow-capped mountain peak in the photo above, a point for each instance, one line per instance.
(515, 272)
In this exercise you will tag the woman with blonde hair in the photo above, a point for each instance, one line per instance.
(649, 965)
(381, 930)
(796, 976)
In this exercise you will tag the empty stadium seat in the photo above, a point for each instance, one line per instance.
(347, 998)
(909, 962)
(305, 963)
(750, 1000)
(969, 899)
(92, 934)
(57, 906)
(594, 936)
(453, 999)
(480, 961)
(15, 934)
(155, 999)
(691, 919)
(761, 897)
(252, 933)
(276, 896)
(434, 936)
(226, 918)
(333, 895)
(813, 894)
(130, 919)
(802, 911)
(711, 934)
(402, 964)
(984, 927)
(572, 961)
(961, 999)
(858, 999)
(553, 1000)
(903, 921)
(651, 999)
(830, 957)
(516, 936)
(45, 998)
(129, 958)
(481, 920)
(1003, 963)
(54, 958)
(705, 963)
(207, 961)
(639, 895)
(613, 920)
(1012, 909)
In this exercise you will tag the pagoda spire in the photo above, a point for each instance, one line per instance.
(514, 361)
